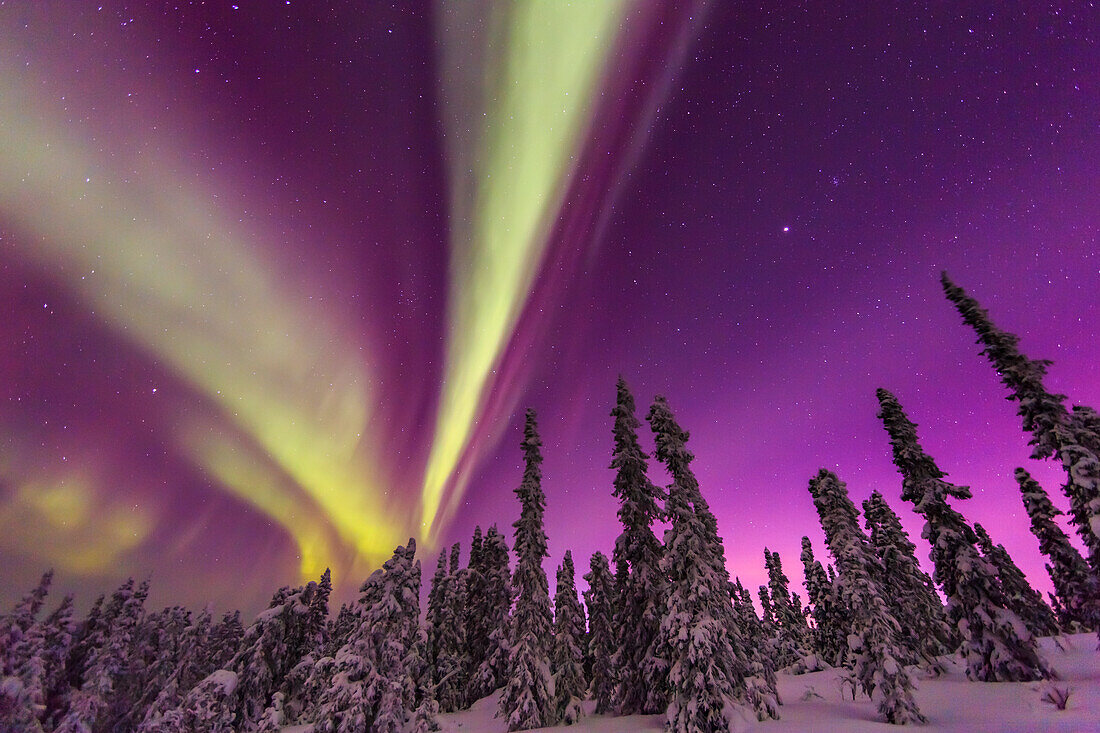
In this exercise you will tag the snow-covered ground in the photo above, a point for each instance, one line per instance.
(815, 702)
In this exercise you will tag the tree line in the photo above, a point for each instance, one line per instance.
(663, 627)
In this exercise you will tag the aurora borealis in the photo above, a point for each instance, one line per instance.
(279, 278)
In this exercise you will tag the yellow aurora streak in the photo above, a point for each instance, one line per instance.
(519, 95)
(162, 265)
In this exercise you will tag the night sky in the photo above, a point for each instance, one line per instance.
(277, 279)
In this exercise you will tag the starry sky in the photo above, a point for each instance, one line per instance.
(277, 279)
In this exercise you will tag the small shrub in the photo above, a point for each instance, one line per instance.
(810, 693)
(1057, 696)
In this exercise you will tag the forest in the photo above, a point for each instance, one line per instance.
(662, 629)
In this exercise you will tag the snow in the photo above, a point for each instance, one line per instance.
(226, 679)
(817, 702)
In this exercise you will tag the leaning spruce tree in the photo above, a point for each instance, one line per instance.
(912, 597)
(1025, 601)
(527, 700)
(706, 675)
(567, 660)
(638, 673)
(874, 649)
(1069, 573)
(1073, 439)
(995, 643)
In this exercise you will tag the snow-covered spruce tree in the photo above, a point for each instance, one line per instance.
(296, 694)
(748, 633)
(340, 628)
(767, 616)
(873, 640)
(425, 716)
(791, 631)
(641, 587)
(493, 605)
(34, 657)
(1069, 573)
(996, 644)
(192, 666)
(527, 699)
(830, 632)
(225, 640)
(106, 660)
(25, 660)
(911, 597)
(155, 652)
(706, 674)
(601, 631)
(88, 634)
(317, 624)
(15, 624)
(45, 678)
(1025, 601)
(1073, 439)
(371, 683)
(567, 657)
(437, 613)
(451, 659)
(207, 708)
(272, 646)
(473, 617)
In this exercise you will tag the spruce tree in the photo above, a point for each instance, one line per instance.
(370, 687)
(269, 650)
(14, 625)
(996, 644)
(340, 628)
(1073, 439)
(706, 674)
(830, 633)
(425, 718)
(207, 708)
(473, 614)
(493, 606)
(567, 659)
(225, 640)
(106, 661)
(791, 631)
(59, 632)
(1069, 573)
(32, 659)
(527, 702)
(438, 611)
(601, 630)
(191, 667)
(317, 625)
(748, 634)
(767, 616)
(912, 597)
(1025, 601)
(450, 662)
(873, 641)
(639, 674)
